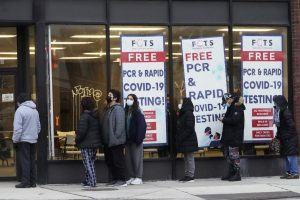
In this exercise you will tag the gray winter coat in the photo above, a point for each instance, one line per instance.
(113, 126)
(26, 123)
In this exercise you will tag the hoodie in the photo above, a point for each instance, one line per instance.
(27, 124)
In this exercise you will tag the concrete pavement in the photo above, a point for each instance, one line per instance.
(248, 188)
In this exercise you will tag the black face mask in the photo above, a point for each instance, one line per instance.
(108, 99)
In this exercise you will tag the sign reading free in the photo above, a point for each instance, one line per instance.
(143, 72)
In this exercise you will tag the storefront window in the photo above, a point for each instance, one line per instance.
(150, 151)
(77, 64)
(259, 147)
(191, 32)
(8, 41)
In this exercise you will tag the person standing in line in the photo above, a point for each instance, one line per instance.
(135, 134)
(26, 130)
(232, 135)
(287, 135)
(186, 139)
(88, 139)
(114, 138)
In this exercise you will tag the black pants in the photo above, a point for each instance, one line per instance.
(27, 152)
(115, 161)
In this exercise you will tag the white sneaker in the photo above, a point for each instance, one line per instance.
(130, 181)
(137, 181)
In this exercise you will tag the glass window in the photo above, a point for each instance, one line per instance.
(8, 47)
(187, 32)
(257, 148)
(77, 64)
(116, 79)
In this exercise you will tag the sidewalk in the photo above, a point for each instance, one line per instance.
(248, 188)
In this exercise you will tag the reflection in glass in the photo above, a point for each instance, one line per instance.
(77, 62)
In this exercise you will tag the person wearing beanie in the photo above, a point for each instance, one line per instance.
(26, 129)
(232, 135)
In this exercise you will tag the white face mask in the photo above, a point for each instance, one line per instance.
(179, 106)
(129, 102)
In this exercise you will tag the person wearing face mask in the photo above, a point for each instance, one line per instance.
(135, 134)
(186, 139)
(287, 135)
(114, 138)
(232, 135)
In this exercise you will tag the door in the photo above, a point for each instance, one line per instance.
(7, 110)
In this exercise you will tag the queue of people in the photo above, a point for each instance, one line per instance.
(121, 131)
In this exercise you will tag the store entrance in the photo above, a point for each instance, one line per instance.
(7, 109)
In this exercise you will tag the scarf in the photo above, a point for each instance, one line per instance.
(276, 118)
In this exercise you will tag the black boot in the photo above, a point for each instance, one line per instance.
(229, 174)
(236, 176)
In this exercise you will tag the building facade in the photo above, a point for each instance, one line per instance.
(61, 50)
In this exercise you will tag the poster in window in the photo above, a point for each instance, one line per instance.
(205, 84)
(262, 73)
(143, 74)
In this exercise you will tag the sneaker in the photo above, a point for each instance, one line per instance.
(183, 179)
(111, 183)
(33, 185)
(137, 181)
(84, 183)
(21, 185)
(188, 179)
(120, 184)
(293, 176)
(284, 176)
(130, 181)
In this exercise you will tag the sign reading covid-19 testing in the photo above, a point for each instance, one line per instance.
(143, 71)
(205, 84)
(262, 73)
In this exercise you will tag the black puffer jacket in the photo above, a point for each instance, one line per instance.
(88, 130)
(233, 126)
(286, 132)
(186, 139)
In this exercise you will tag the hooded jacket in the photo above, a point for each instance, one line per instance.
(88, 130)
(233, 125)
(113, 126)
(186, 139)
(286, 132)
(136, 128)
(27, 124)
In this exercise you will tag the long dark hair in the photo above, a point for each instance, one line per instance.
(135, 105)
(87, 103)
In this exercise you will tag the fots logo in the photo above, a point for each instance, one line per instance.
(142, 43)
(261, 43)
(202, 43)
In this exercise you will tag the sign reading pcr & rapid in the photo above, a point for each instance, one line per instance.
(262, 59)
(205, 84)
(143, 72)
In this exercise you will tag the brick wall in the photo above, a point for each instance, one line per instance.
(295, 20)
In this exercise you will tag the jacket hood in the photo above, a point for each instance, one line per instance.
(29, 104)
(280, 101)
(94, 113)
(187, 105)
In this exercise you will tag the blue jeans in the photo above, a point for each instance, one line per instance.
(291, 163)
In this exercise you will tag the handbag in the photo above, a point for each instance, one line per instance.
(274, 145)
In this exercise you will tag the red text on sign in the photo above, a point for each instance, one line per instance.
(198, 56)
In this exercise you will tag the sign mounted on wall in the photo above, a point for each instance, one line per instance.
(143, 72)
(205, 84)
(262, 59)
(7, 98)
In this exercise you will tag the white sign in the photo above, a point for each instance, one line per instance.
(8, 97)
(143, 71)
(205, 84)
(262, 58)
